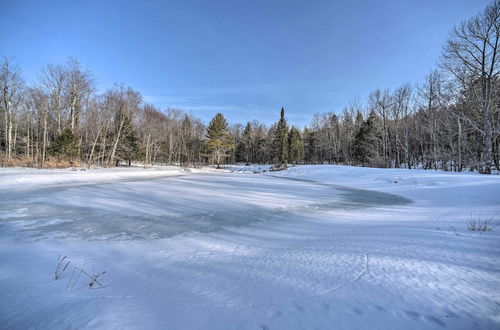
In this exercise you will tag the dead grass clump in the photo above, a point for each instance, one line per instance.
(51, 162)
(481, 224)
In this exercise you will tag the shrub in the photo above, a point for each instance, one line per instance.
(480, 224)
(65, 145)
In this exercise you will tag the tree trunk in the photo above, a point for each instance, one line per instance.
(8, 129)
(488, 134)
(14, 140)
(94, 144)
(44, 141)
(459, 145)
(115, 144)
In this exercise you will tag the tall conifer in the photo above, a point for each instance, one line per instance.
(219, 142)
(280, 140)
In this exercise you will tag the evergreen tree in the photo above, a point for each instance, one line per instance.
(244, 146)
(219, 142)
(367, 140)
(65, 146)
(296, 151)
(280, 141)
(359, 119)
(185, 140)
(310, 141)
(128, 147)
(246, 140)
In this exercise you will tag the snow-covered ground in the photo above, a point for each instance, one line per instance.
(312, 247)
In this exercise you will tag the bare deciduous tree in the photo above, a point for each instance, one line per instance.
(79, 86)
(11, 88)
(471, 56)
(53, 80)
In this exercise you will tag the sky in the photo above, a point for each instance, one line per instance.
(246, 59)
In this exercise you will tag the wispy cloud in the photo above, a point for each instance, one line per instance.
(232, 101)
(162, 100)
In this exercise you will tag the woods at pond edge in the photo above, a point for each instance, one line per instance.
(451, 121)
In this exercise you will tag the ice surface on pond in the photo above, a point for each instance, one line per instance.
(315, 248)
(164, 207)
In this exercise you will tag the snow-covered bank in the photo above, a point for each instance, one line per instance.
(22, 178)
(224, 250)
(431, 188)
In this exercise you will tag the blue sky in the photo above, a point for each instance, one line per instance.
(245, 59)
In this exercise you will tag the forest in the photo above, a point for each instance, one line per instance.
(450, 121)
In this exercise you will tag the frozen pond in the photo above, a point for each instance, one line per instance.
(307, 248)
(164, 207)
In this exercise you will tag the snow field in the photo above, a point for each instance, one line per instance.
(330, 247)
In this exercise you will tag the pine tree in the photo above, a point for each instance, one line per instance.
(244, 146)
(310, 141)
(246, 140)
(185, 140)
(219, 142)
(128, 147)
(366, 141)
(359, 119)
(280, 141)
(65, 146)
(296, 150)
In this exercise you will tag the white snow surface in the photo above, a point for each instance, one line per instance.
(311, 247)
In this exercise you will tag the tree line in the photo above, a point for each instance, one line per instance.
(450, 121)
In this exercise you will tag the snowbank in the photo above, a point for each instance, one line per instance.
(28, 177)
(432, 188)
